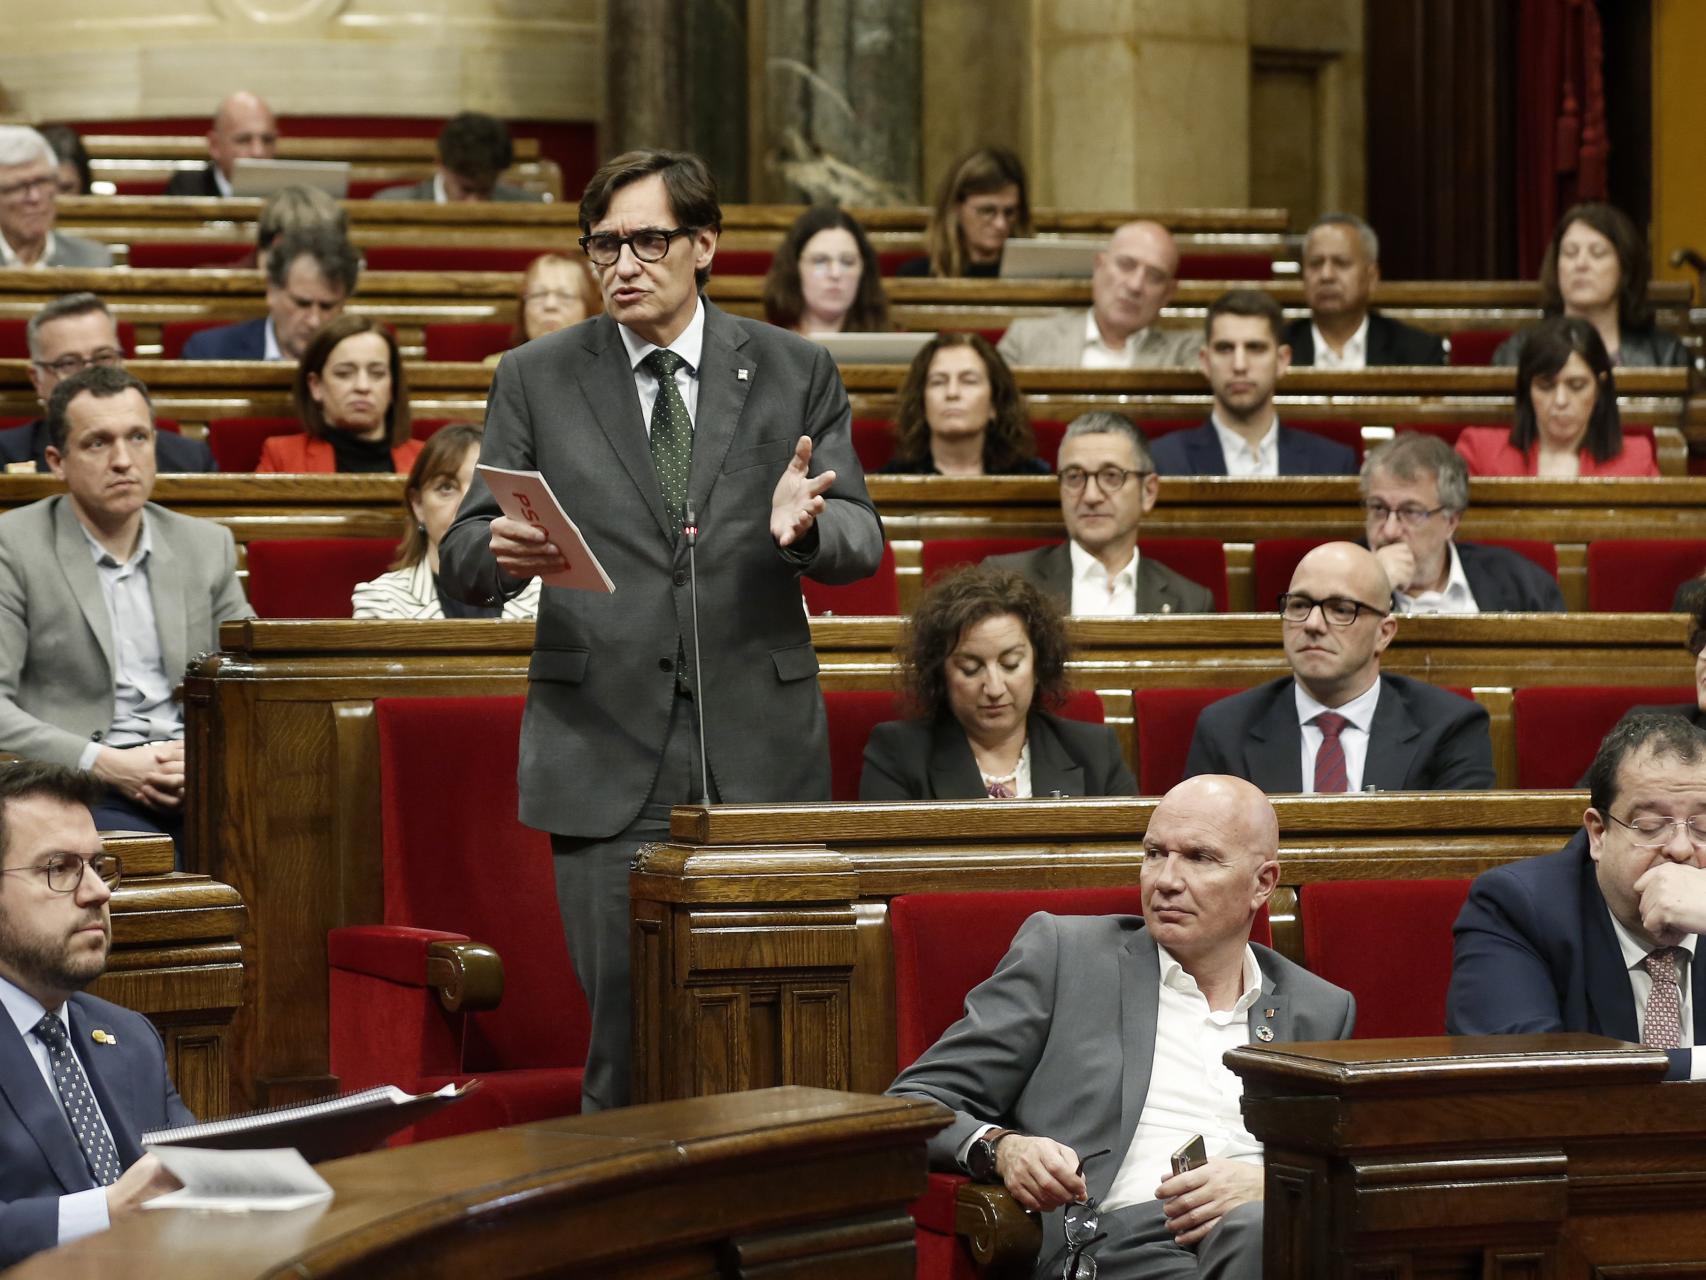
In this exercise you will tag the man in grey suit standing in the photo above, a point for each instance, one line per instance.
(662, 406)
(29, 194)
(1107, 485)
(1105, 1034)
(104, 597)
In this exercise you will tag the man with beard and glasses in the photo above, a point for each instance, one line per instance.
(81, 1079)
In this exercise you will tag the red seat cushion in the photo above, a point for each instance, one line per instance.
(1559, 727)
(1274, 560)
(312, 577)
(1166, 720)
(1387, 942)
(236, 442)
(190, 255)
(873, 441)
(1476, 346)
(1226, 266)
(743, 262)
(467, 343)
(875, 596)
(1641, 575)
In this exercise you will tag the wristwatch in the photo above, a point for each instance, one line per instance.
(980, 1157)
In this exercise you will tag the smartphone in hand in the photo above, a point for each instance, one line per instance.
(1189, 1156)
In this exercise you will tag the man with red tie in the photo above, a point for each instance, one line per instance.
(1336, 723)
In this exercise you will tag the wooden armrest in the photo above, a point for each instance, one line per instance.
(468, 975)
(1004, 1238)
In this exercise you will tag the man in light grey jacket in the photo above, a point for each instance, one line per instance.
(29, 195)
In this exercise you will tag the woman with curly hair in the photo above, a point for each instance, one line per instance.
(984, 654)
(962, 414)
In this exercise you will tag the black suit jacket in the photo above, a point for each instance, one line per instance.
(1389, 342)
(172, 452)
(1422, 739)
(932, 760)
(1159, 589)
(1505, 581)
(1535, 952)
(193, 182)
(1197, 452)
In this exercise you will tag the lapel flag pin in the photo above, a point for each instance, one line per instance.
(1264, 1034)
(1268, 1013)
(742, 374)
(103, 1037)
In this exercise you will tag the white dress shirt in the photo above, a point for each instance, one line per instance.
(269, 342)
(81, 1213)
(1455, 597)
(689, 345)
(1354, 356)
(9, 255)
(1097, 354)
(1096, 593)
(1241, 459)
(223, 183)
(1191, 1091)
(1641, 986)
(1353, 737)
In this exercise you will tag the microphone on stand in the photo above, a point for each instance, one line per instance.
(691, 531)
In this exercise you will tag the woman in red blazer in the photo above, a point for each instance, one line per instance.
(1567, 423)
(354, 404)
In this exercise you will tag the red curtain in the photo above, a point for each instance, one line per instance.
(1561, 143)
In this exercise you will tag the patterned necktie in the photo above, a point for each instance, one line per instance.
(79, 1102)
(672, 434)
(1662, 1028)
(1330, 772)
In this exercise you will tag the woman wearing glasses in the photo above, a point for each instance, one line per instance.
(1567, 423)
(556, 292)
(985, 652)
(981, 204)
(962, 414)
(824, 277)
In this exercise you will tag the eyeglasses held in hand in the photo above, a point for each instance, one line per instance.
(64, 871)
(1080, 1223)
(1338, 610)
(650, 244)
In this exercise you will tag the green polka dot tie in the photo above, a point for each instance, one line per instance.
(79, 1102)
(672, 434)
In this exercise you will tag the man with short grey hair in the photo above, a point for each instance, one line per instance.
(29, 194)
(311, 273)
(1134, 277)
(1415, 488)
(1107, 485)
(1341, 266)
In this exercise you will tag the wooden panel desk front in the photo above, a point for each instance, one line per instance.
(785, 1183)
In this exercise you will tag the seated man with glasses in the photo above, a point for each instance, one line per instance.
(1601, 936)
(1336, 723)
(67, 336)
(1415, 488)
(1094, 1053)
(82, 1079)
(29, 195)
(1107, 485)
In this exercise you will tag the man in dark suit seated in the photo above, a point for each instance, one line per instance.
(1107, 485)
(82, 1079)
(1336, 723)
(1341, 266)
(244, 128)
(1415, 488)
(1243, 356)
(67, 336)
(1094, 1052)
(473, 151)
(311, 273)
(1603, 935)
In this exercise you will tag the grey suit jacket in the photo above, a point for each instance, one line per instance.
(1159, 589)
(56, 637)
(503, 193)
(602, 679)
(75, 251)
(1059, 1041)
(1058, 339)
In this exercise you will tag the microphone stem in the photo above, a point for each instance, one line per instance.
(692, 532)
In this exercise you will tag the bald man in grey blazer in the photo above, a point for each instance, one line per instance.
(1106, 1034)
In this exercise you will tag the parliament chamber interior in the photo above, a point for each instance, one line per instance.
(1176, 363)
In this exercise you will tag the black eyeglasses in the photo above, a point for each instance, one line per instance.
(1338, 610)
(70, 366)
(64, 871)
(1409, 517)
(650, 244)
(1079, 1224)
(1108, 479)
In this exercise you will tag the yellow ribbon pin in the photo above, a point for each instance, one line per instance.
(103, 1037)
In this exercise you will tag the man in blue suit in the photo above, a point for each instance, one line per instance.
(1243, 355)
(1600, 936)
(311, 273)
(80, 1079)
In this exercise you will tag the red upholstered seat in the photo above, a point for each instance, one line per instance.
(1476, 346)
(873, 441)
(1202, 560)
(173, 335)
(451, 257)
(15, 344)
(426, 428)
(937, 556)
(1387, 942)
(1166, 719)
(312, 577)
(743, 262)
(1049, 432)
(187, 256)
(1641, 575)
(1273, 561)
(876, 595)
(1226, 266)
(1559, 727)
(459, 865)
(236, 442)
(467, 343)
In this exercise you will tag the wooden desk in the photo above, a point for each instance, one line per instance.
(782, 1182)
(1546, 1156)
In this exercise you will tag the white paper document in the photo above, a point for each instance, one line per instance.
(239, 1181)
(525, 496)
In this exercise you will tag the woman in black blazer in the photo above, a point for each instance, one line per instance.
(985, 651)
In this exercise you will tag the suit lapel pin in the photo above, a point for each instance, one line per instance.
(741, 375)
(103, 1037)
(1264, 1033)
(1269, 1013)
